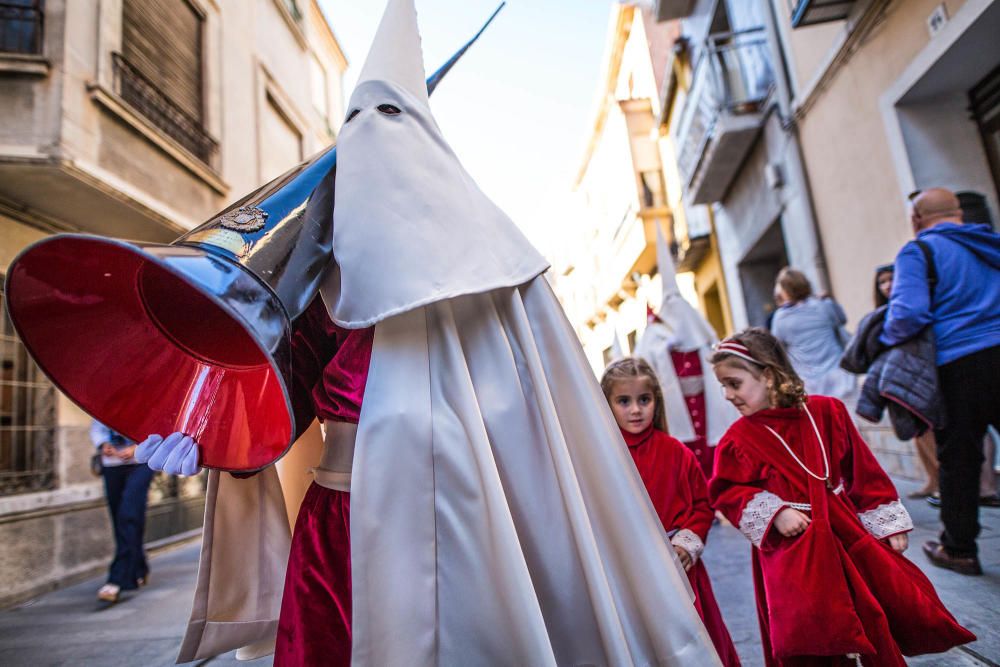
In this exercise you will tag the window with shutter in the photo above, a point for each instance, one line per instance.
(159, 70)
(283, 141)
(21, 26)
(27, 417)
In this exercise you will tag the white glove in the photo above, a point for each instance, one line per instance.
(177, 454)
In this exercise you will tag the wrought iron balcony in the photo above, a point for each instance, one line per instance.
(673, 9)
(143, 96)
(692, 238)
(723, 112)
(811, 12)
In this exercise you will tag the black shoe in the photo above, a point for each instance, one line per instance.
(934, 500)
(990, 501)
(938, 555)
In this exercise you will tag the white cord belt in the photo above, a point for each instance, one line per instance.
(806, 507)
(334, 469)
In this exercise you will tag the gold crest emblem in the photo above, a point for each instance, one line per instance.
(245, 220)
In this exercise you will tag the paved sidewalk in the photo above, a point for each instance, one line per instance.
(69, 627)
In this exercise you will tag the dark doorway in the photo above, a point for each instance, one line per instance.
(758, 270)
(984, 103)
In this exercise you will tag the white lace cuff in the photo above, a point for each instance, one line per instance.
(690, 542)
(757, 515)
(887, 519)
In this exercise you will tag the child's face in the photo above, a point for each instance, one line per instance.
(633, 404)
(746, 390)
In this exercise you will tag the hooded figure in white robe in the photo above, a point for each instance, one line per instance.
(496, 515)
(697, 412)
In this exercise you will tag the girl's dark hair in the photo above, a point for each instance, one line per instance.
(795, 284)
(636, 367)
(881, 299)
(787, 389)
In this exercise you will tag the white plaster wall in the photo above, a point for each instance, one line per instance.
(944, 146)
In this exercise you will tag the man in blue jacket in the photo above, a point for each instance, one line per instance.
(959, 296)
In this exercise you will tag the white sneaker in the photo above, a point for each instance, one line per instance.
(109, 593)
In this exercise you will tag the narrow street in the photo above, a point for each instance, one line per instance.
(69, 627)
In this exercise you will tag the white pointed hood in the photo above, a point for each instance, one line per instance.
(617, 352)
(689, 330)
(680, 327)
(406, 212)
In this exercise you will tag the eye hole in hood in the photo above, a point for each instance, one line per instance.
(389, 109)
(350, 116)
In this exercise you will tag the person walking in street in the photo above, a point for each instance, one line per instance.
(812, 330)
(923, 443)
(883, 284)
(126, 487)
(825, 521)
(949, 279)
(901, 380)
(672, 476)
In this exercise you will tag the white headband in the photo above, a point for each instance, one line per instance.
(737, 350)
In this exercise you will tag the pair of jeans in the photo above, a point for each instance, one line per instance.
(971, 389)
(126, 488)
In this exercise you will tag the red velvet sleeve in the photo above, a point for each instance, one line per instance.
(313, 344)
(329, 365)
(700, 514)
(737, 490)
(867, 485)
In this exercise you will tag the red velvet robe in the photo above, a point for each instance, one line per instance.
(688, 365)
(836, 589)
(330, 364)
(676, 485)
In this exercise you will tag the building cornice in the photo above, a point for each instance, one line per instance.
(618, 34)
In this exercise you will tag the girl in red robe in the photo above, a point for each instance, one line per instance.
(673, 477)
(828, 530)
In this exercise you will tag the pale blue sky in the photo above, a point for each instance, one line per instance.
(518, 107)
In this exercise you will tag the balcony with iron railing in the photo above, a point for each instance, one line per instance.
(627, 250)
(146, 99)
(666, 10)
(811, 12)
(723, 112)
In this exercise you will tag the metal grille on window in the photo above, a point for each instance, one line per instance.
(27, 417)
(159, 70)
(21, 26)
(984, 103)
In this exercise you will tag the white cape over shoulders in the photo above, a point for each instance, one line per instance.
(497, 517)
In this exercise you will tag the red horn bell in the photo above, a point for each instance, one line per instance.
(153, 339)
(194, 336)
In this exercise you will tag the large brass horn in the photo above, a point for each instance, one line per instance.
(193, 336)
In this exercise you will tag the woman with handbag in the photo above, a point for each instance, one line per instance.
(832, 585)
(126, 486)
